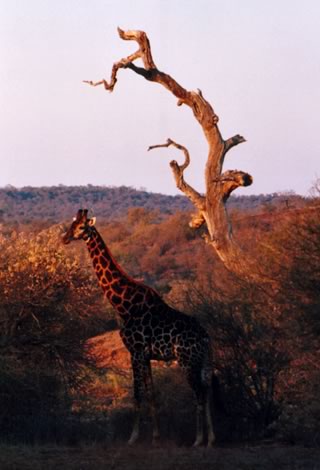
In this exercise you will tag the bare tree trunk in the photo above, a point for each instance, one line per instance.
(211, 207)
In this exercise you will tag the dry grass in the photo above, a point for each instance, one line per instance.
(97, 457)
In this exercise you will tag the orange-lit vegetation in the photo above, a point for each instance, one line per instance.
(266, 341)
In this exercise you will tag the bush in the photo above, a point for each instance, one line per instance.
(248, 357)
(48, 304)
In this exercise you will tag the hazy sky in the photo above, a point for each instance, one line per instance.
(257, 62)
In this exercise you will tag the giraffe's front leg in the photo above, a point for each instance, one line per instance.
(143, 384)
(136, 425)
(151, 401)
(210, 429)
(137, 363)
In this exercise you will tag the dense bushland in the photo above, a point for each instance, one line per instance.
(49, 307)
(266, 339)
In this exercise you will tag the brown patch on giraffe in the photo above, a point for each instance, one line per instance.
(103, 262)
(115, 299)
(100, 273)
(117, 289)
(137, 298)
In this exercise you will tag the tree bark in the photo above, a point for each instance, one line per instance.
(211, 207)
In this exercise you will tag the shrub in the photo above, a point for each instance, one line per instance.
(48, 305)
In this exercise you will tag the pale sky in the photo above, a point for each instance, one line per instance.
(257, 62)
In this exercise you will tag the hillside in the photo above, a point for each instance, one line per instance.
(58, 203)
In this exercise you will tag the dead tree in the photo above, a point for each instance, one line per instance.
(211, 207)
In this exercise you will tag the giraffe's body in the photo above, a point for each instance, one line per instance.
(151, 329)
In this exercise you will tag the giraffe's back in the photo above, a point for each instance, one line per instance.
(167, 334)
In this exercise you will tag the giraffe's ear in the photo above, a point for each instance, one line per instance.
(92, 221)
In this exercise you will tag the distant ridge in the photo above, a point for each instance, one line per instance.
(58, 203)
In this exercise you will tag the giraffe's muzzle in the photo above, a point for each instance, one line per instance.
(66, 238)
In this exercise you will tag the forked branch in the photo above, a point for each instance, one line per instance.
(197, 200)
(210, 207)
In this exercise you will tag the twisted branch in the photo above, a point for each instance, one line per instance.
(211, 207)
(197, 200)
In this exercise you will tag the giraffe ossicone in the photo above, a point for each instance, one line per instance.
(151, 330)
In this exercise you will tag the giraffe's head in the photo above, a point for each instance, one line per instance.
(80, 228)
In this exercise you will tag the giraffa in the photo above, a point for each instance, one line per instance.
(151, 330)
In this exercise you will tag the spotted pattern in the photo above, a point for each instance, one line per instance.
(151, 330)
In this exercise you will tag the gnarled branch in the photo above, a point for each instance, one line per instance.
(197, 200)
(210, 207)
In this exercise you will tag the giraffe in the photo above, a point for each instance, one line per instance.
(151, 330)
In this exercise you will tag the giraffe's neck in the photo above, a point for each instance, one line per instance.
(124, 294)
